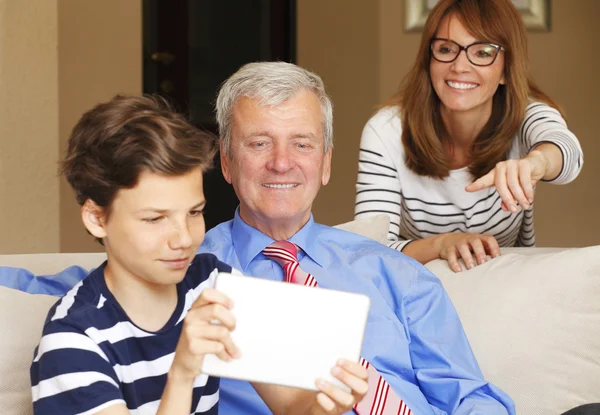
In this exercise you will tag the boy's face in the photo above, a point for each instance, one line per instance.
(154, 229)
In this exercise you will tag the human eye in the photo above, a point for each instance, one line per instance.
(258, 144)
(445, 48)
(485, 51)
(196, 213)
(304, 145)
(153, 220)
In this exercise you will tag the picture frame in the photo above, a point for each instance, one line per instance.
(535, 14)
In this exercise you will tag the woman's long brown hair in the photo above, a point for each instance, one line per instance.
(494, 21)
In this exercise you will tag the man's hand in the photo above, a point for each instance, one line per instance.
(453, 246)
(332, 399)
(514, 180)
(206, 329)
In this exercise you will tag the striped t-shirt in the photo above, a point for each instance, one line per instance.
(420, 206)
(92, 356)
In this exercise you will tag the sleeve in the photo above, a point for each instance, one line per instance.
(70, 374)
(223, 267)
(444, 364)
(526, 236)
(378, 188)
(544, 124)
(203, 272)
(57, 284)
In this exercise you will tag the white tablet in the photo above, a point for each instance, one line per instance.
(289, 334)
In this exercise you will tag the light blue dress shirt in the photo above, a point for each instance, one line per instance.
(56, 284)
(413, 336)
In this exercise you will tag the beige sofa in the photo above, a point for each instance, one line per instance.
(532, 317)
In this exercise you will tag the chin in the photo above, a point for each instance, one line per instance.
(173, 278)
(171, 275)
(460, 107)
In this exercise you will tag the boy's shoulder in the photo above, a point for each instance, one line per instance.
(80, 308)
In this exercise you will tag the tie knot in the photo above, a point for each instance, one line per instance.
(282, 252)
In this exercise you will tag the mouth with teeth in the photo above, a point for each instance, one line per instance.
(461, 85)
(280, 185)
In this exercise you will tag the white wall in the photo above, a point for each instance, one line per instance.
(29, 185)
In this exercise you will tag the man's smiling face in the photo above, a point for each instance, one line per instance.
(277, 161)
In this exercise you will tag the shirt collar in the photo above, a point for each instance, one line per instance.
(248, 242)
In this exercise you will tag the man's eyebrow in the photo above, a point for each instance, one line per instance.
(163, 211)
(304, 135)
(266, 133)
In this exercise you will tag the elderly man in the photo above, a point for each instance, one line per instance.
(275, 121)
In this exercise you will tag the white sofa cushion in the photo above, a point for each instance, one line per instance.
(21, 322)
(533, 322)
(49, 264)
(374, 227)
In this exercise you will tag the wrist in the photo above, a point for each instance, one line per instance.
(180, 376)
(540, 160)
(438, 243)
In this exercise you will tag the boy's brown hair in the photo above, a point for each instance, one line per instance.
(114, 142)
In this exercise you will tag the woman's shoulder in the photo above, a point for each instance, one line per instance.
(538, 107)
(385, 118)
(384, 128)
(382, 134)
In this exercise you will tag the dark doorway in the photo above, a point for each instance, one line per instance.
(192, 46)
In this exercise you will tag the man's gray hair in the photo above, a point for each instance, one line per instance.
(272, 83)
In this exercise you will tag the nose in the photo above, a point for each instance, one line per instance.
(280, 160)
(180, 238)
(461, 63)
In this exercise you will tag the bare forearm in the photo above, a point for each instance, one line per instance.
(302, 405)
(424, 250)
(177, 396)
(330, 399)
(283, 400)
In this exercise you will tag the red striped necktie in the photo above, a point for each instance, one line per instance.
(380, 399)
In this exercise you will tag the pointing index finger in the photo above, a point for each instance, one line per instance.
(482, 183)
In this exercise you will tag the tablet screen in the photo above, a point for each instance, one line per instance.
(289, 334)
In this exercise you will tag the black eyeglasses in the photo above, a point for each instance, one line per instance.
(478, 53)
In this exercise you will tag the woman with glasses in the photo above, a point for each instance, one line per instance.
(454, 156)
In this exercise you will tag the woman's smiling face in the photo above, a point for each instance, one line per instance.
(460, 85)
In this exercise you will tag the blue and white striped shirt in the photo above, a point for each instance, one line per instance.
(92, 356)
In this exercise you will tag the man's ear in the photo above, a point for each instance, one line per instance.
(225, 163)
(326, 167)
(93, 218)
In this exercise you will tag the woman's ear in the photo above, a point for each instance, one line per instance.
(93, 218)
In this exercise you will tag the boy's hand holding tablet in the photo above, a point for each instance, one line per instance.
(199, 337)
(260, 333)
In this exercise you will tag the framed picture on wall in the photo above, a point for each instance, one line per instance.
(535, 13)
